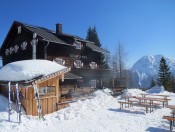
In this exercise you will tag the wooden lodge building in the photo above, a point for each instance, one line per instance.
(25, 42)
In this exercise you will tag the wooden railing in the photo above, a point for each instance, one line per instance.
(91, 72)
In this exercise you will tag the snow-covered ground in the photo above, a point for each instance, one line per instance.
(100, 114)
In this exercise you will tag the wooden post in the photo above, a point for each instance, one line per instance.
(57, 90)
(62, 77)
(113, 82)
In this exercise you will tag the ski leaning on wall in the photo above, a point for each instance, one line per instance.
(9, 101)
(36, 94)
(18, 104)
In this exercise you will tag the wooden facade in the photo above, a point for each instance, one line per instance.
(82, 56)
(49, 92)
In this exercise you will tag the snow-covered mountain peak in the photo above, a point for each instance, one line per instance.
(147, 68)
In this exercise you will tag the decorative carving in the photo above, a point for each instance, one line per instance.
(11, 50)
(24, 45)
(16, 48)
(7, 52)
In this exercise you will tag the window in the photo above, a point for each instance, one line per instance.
(59, 61)
(19, 29)
(93, 65)
(93, 83)
(78, 45)
(42, 91)
(47, 91)
(78, 64)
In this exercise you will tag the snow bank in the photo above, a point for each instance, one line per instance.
(83, 108)
(132, 92)
(100, 114)
(107, 91)
(28, 69)
(156, 89)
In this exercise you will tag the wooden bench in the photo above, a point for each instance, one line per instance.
(171, 107)
(123, 102)
(133, 102)
(156, 104)
(171, 119)
(117, 90)
(164, 102)
(148, 106)
(64, 104)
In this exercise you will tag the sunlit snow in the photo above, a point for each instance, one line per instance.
(100, 114)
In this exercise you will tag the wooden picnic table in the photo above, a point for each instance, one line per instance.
(171, 107)
(164, 101)
(161, 95)
(147, 102)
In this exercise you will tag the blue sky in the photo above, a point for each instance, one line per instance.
(144, 27)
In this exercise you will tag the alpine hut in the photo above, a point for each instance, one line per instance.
(34, 84)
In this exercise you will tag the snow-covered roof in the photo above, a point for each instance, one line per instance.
(29, 69)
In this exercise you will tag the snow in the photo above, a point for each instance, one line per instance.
(156, 89)
(146, 69)
(28, 69)
(132, 92)
(100, 114)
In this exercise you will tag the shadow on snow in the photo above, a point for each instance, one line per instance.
(126, 111)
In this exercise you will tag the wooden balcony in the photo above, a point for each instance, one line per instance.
(84, 72)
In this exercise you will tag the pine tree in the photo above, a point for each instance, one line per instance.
(172, 84)
(93, 37)
(164, 75)
(153, 83)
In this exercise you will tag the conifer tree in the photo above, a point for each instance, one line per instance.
(172, 84)
(93, 37)
(164, 75)
(153, 83)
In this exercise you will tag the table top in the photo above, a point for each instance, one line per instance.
(155, 95)
(149, 98)
(170, 106)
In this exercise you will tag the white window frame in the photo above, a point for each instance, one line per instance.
(19, 29)
(93, 65)
(78, 45)
(78, 64)
(59, 61)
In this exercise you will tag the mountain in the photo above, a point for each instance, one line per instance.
(147, 68)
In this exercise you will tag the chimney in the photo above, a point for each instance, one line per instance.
(58, 28)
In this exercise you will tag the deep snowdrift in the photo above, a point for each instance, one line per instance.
(100, 114)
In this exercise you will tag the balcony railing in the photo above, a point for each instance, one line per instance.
(91, 72)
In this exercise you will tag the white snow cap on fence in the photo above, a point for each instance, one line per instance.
(28, 69)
